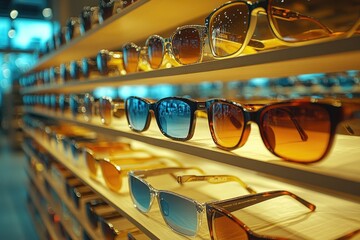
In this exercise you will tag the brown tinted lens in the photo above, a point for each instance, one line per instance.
(226, 124)
(105, 111)
(155, 51)
(131, 58)
(91, 164)
(186, 45)
(228, 28)
(225, 228)
(297, 132)
(296, 21)
(112, 177)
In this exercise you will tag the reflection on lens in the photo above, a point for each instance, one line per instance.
(228, 28)
(174, 118)
(225, 228)
(319, 19)
(186, 44)
(227, 124)
(111, 175)
(91, 164)
(280, 131)
(141, 194)
(105, 111)
(155, 51)
(179, 213)
(131, 58)
(137, 113)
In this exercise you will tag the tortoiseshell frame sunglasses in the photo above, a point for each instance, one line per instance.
(222, 223)
(300, 130)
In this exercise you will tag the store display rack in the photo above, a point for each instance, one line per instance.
(336, 176)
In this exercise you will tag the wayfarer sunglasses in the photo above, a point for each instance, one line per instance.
(296, 130)
(230, 27)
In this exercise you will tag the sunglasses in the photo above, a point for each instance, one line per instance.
(230, 27)
(108, 108)
(180, 213)
(185, 46)
(89, 68)
(297, 130)
(110, 62)
(97, 208)
(89, 17)
(109, 8)
(90, 107)
(175, 116)
(224, 225)
(112, 232)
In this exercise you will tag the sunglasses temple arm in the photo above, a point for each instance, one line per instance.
(288, 15)
(215, 179)
(349, 235)
(249, 200)
(163, 171)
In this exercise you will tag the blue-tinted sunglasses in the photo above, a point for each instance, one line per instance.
(181, 214)
(175, 116)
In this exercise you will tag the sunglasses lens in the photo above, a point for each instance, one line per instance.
(137, 112)
(112, 177)
(155, 50)
(225, 228)
(179, 213)
(107, 231)
(140, 193)
(174, 118)
(297, 132)
(92, 216)
(308, 20)
(73, 105)
(105, 111)
(91, 164)
(186, 46)
(228, 28)
(226, 123)
(88, 107)
(130, 58)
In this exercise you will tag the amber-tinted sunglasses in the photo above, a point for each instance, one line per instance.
(224, 225)
(230, 28)
(296, 130)
(185, 46)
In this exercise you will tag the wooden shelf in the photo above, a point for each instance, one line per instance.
(135, 23)
(331, 210)
(38, 180)
(53, 232)
(334, 173)
(326, 57)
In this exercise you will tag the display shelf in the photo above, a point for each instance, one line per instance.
(331, 210)
(67, 226)
(331, 173)
(49, 227)
(79, 215)
(316, 58)
(159, 16)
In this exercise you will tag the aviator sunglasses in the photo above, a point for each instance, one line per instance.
(230, 27)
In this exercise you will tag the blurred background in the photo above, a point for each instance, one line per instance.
(25, 26)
